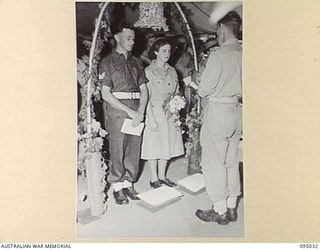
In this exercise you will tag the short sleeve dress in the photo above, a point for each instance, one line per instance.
(165, 143)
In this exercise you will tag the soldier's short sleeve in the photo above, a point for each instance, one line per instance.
(142, 79)
(105, 72)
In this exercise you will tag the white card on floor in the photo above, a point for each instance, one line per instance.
(194, 183)
(127, 128)
(160, 196)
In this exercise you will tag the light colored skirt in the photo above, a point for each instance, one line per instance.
(165, 143)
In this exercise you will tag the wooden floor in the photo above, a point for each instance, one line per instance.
(136, 221)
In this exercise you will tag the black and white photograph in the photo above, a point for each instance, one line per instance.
(159, 120)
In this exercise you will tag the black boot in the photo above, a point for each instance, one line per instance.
(211, 216)
(168, 182)
(120, 197)
(232, 214)
(131, 193)
(155, 184)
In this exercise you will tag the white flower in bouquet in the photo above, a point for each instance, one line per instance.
(176, 103)
(172, 108)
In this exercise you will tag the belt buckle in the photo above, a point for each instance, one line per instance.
(131, 95)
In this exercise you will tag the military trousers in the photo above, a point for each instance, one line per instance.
(219, 138)
(124, 149)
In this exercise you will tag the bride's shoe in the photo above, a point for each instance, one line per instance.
(168, 182)
(155, 184)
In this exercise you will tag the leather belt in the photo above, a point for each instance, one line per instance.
(127, 95)
(234, 99)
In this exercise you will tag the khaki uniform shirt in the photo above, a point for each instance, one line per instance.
(121, 74)
(222, 75)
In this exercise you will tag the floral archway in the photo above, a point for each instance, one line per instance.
(91, 161)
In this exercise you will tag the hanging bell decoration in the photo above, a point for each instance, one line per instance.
(151, 15)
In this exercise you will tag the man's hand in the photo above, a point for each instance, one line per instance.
(135, 122)
(136, 116)
(193, 85)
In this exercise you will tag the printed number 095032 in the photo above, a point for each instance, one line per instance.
(308, 245)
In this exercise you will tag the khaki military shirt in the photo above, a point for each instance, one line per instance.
(222, 75)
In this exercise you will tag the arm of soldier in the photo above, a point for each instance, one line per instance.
(144, 93)
(210, 76)
(150, 118)
(142, 80)
(142, 106)
(144, 96)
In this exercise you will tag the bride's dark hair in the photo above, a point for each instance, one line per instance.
(160, 42)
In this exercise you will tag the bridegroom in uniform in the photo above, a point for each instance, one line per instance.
(124, 89)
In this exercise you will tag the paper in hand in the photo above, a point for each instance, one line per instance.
(127, 128)
(187, 80)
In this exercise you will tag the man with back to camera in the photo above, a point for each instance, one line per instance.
(124, 89)
(222, 123)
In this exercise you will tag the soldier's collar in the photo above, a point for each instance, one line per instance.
(231, 41)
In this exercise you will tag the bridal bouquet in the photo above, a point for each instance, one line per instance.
(172, 108)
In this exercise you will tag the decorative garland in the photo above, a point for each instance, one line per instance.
(192, 122)
(90, 133)
(185, 21)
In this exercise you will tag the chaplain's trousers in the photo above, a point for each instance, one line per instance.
(219, 138)
(124, 149)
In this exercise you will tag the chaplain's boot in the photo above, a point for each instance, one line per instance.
(211, 216)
